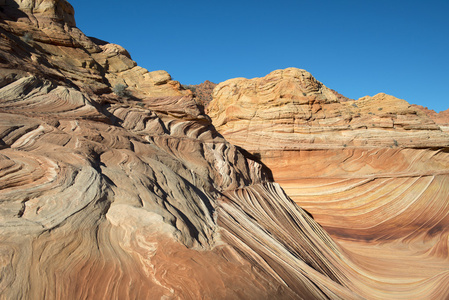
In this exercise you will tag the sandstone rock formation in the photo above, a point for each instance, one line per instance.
(373, 172)
(40, 38)
(289, 109)
(136, 196)
(441, 118)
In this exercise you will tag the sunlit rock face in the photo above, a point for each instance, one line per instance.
(289, 109)
(109, 193)
(373, 172)
(441, 118)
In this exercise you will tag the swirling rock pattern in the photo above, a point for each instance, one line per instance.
(136, 196)
(373, 172)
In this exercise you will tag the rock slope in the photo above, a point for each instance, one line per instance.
(373, 172)
(133, 194)
(441, 118)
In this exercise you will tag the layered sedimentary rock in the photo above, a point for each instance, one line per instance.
(289, 109)
(441, 118)
(40, 37)
(373, 172)
(130, 193)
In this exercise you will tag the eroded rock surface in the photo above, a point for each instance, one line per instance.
(441, 118)
(132, 194)
(289, 109)
(373, 172)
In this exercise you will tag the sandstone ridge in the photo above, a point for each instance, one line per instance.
(109, 193)
(40, 37)
(291, 109)
(373, 172)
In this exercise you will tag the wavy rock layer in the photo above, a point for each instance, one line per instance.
(136, 196)
(289, 109)
(373, 172)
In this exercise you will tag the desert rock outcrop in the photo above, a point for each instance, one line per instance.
(202, 92)
(289, 109)
(441, 118)
(132, 193)
(373, 172)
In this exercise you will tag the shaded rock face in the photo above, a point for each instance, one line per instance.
(49, 11)
(40, 38)
(373, 172)
(135, 196)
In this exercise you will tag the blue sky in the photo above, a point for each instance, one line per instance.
(358, 47)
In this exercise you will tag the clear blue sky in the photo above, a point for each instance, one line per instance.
(358, 48)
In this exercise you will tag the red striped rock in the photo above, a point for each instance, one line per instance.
(373, 172)
(133, 194)
(137, 196)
